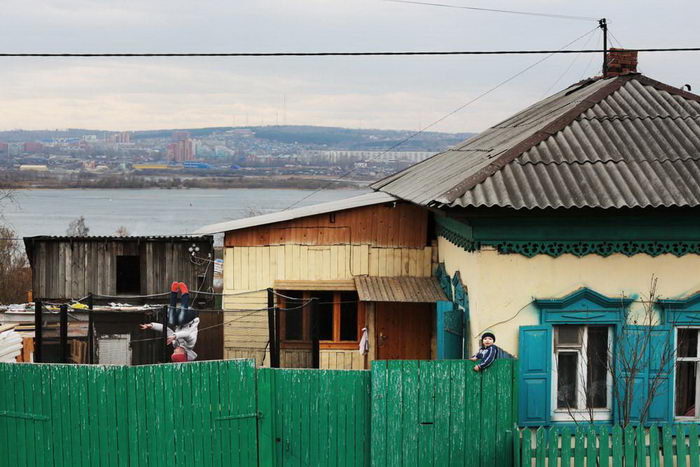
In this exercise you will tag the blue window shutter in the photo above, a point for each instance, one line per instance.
(535, 345)
(660, 375)
(632, 355)
(648, 350)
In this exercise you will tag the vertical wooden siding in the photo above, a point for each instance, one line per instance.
(255, 268)
(157, 415)
(63, 269)
(314, 417)
(442, 413)
(402, 225)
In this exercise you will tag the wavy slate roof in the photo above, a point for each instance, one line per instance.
(627, 141)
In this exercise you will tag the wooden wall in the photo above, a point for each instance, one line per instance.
(388, 225)
(254, 268)
(64, 269)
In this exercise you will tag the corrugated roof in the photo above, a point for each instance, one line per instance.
(281, 216)
(627, 141)
(399, 289)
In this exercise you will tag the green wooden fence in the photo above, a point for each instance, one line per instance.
(442, 413)
(314, 417)
(158, 415)
(677, 445)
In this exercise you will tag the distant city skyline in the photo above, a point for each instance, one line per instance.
(122, 94)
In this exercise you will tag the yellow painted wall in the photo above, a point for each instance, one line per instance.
(254, 268)
(502, 287)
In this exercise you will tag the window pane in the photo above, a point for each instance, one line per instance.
(348, 316)
(685, 389)
(569, 335)
(687, 342)
(293, 330)
(597, 357)
(325, 315)
(567, 367)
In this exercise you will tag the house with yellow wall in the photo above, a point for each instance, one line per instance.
(572, 228)
(368, 261)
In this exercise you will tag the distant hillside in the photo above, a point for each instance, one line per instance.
(307, 136)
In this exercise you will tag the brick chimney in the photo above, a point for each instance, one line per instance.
(621, 61)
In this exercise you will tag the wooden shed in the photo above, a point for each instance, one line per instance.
(320, 252)
(71, 267)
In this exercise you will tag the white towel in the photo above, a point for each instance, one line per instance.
(364, 342)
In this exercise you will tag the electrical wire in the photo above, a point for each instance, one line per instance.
(493, 10)
(342, 54)
(461, 107)
(576, 57)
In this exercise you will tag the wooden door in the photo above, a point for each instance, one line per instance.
(403, 330)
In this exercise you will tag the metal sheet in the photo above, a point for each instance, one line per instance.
(635, 144)
(399, 289)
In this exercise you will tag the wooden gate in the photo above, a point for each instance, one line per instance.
(161, 415)
(314, 417)
(442, 413)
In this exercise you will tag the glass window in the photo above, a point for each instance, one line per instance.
(294, 317)
(348, 316)
(325, 315)
(687, 362)
(583, 379)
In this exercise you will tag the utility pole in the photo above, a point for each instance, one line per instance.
(604, 26)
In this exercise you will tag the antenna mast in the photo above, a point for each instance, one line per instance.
(604, 26)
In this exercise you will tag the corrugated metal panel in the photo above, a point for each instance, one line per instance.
(399, 289)
(289, 214)
(639, 146)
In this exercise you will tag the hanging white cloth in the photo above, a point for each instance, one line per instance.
(364, 342)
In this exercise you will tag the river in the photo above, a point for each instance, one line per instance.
(148, 211)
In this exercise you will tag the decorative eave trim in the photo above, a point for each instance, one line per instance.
(600, 248)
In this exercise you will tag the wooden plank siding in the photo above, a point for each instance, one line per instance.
(378, 240)
(248, 269)
(402, 225)
(65, 268)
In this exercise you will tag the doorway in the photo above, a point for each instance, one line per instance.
(403, 330)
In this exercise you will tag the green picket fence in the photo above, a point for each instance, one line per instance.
(443, 413)
(314, 417)
(157, 415)
(677, 445)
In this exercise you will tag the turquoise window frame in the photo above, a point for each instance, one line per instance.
(580, 307)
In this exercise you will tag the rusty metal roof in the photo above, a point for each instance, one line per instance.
(627, 141)
(399, 289)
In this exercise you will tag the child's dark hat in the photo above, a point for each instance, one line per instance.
(488, 334)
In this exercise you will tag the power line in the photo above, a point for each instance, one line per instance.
(341, 54)
(461, 107)
(493, 10)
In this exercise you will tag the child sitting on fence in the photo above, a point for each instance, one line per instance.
(488, 352)
(185, 322)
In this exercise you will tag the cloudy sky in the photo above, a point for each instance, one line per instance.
(357, 92)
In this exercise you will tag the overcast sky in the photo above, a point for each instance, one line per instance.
(357, 92)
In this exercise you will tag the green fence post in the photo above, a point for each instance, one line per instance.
(526, 448)
(565, 447)
(680, 446)
(604, 446)
(693, 445)
(540, 445)
(654, 446)
(629, 445)
(591, 449)
(667, 439)
(553, 446)
(617, 446)
(579, 448)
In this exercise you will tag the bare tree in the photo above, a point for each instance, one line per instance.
(15, 274)
(122, 231)
(78, 228)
